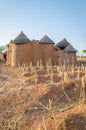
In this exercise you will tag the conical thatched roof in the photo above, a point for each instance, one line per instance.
(63, 44)
(70, 48)
(21, 38)
(46, 39)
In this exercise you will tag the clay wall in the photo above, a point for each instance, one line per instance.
(59, 57)
(70, 58)
(9, 54)
(33, 52)
(36, 52)
(21, 53)
(46, 52)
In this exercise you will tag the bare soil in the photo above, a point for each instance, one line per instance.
(30, 99)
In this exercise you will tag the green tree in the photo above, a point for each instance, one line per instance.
(84, 51)
(2, 48)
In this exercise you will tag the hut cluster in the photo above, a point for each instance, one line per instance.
(23, 50)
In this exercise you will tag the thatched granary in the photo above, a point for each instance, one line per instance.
(46, 46)
(70, 54)
(23, 50)
(19, 50)
(67, 53)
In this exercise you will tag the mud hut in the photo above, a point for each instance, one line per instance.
(19, 50)
(66, 54)
(23, 50)
(70, 54)
(46, 47)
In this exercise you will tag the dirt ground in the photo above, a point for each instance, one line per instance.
(42, 98)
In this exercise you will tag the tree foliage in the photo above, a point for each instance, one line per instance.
(2, 48)
(84, 51)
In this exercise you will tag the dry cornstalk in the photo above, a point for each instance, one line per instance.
(72, 70)
(65, 76)
(60, 73)
(45, 128)
(36, 78)
(48, 69)
(78, 74)
(82, 92)
(41, 65)
(51, 78)
(38, 64)
(48, 107)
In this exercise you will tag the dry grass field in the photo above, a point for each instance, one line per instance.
(42, 97)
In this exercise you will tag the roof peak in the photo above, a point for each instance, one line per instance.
(21, 32)
(21, 38)
(70, 48)
(64, 39)
(63, 43)
(46, 39)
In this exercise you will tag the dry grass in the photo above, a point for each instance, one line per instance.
(40, 97)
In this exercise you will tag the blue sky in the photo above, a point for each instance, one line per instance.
(57, 18)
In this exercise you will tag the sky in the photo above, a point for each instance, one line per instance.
(58, 19)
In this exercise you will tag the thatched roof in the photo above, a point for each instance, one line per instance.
(70, 48)
(63, 43)
(46, 39)
(21, 38)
